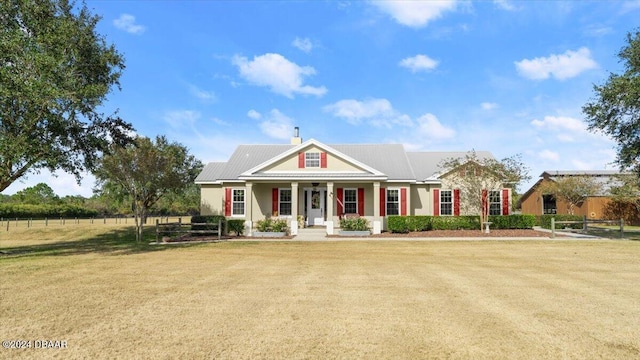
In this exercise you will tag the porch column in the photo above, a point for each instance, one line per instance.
(248, 211)
(294, 208)
(376, 200)
(377, 220)
(330, 201)
(331, 198)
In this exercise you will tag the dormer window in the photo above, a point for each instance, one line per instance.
(312, 160)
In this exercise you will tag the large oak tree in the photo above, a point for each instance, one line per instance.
(55, 73)
(616, 107)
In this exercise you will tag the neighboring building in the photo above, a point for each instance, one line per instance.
(323, 182)
(534, 202)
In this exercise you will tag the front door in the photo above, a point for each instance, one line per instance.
(315, 206)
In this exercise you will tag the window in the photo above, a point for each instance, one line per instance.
(350, 201)
(393, 202)
(284, 208)
(548, 204)
(237, 202)
(446, 202)
(312, 159)
(495, 205)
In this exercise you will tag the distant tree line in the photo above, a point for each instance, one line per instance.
(40, 201)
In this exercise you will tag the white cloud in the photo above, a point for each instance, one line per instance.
(415, 14)
(628, 6)
(430, 127)
(254, 114)
(303, 45)
(277, 125)
(207, 96)
(127, 23)
(560, 123)
(488, 106)
(505, 5)
(180, 119)
(563, 128)
(549, 155)
(419, 63)
(561, 67)
(377, 112)
(279, 74)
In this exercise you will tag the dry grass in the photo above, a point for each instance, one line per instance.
(364, 299)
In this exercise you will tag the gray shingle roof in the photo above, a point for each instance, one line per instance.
(390, 159)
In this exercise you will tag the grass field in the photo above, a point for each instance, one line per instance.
(107, 297)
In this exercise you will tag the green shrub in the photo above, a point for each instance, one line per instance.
(272, 225)
(512, 221)
(236, 226)
(354, 224)
(455, 222)
(405, 224)
(398, 224)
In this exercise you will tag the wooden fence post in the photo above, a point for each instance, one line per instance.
(553, 228)
(584, 223)
(157, 231)
(46, 221)
(219, 228)
(621, 228)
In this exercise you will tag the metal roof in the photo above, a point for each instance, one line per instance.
(426, 164)
(389, 159)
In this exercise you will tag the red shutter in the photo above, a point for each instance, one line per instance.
(505, 202)
(456, 202)
(274, 200)
(323, 160)
(403, 201)
(340, 202)
(227, 202)
(361, 201)
(301, 160)
(436, 202)
(383, 202)
(485, 202)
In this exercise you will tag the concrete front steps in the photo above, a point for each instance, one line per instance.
(311, 234)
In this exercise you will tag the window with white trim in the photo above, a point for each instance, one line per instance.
(350, 201)
(284, 203)
(446, 202)
(237, 202)
(312, 160)
(495, 205)
(393, 202)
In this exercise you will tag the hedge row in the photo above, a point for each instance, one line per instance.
(405, 224)
(45, 211)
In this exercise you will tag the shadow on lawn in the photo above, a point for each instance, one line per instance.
(116, 242)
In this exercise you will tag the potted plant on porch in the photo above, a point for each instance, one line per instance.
(270, 227)
(354, 226)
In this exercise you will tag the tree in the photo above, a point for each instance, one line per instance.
(616, 109)
(478, 176)
(55, 71)
(573, 190)
(37, 194)
(625, 198)
(146, 171)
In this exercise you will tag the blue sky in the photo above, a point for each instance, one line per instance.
(508, 77)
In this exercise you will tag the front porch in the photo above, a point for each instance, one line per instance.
(314, 204)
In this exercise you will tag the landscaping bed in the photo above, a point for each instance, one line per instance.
(501, 233)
